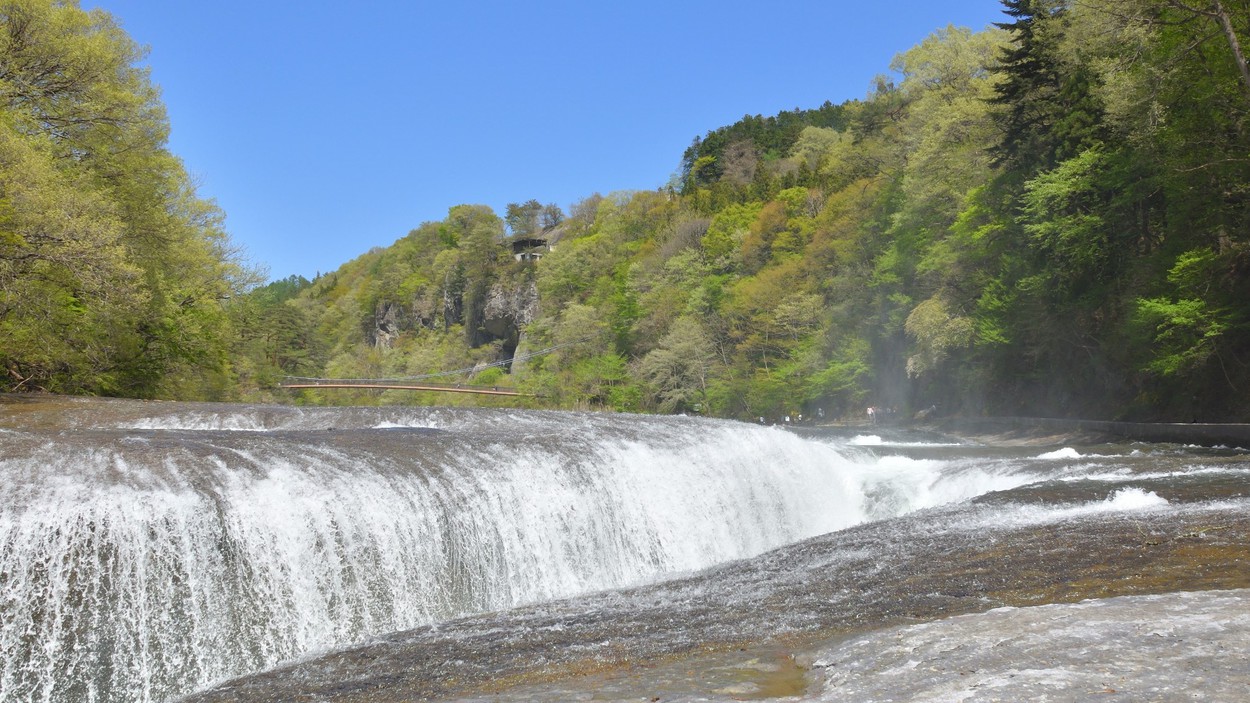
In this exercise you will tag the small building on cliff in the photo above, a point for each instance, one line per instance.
(529, 248)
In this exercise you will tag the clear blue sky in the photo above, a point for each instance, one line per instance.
(324, 129)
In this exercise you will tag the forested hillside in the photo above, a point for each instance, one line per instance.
(114, 276)
(1047, 217)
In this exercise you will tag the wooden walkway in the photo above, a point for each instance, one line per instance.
(379, 385)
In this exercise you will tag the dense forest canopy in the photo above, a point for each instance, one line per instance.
(113, 274)
(1047, 217)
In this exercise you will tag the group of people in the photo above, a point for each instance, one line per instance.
(876, 414)
(882, 414)
(796, 417)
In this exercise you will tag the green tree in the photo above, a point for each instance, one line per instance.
(132, 270)
(1050, 111)
(677, 370)
(523, 219)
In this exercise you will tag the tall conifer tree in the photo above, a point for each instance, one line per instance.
(1050, 113)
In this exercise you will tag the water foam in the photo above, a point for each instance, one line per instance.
(136, 571)
(1134, 499)
(142, 563)
(878, 441)
(1065, 453)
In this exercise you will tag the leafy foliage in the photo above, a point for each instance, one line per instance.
(1036, 218)
(114, 276)
(1046, 217)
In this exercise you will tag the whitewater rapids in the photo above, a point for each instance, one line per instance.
(150, 550)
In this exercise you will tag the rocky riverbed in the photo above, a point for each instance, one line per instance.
(764, 627)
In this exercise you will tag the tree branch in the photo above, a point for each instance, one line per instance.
(1217, 12)
(1226, 23)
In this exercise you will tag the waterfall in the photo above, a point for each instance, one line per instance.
(144, 557)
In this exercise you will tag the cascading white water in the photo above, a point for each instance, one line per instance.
(144, 559)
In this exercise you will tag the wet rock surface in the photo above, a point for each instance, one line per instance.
(220, 514)
(669, 641)
(1175, 647)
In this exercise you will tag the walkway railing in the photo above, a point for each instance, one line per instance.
(383, 384)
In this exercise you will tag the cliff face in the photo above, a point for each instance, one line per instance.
(510, 305)
(387, 324)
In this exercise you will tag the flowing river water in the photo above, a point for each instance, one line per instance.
(167, 551)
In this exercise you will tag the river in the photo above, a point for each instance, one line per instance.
(154, 551)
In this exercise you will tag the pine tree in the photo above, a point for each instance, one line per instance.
(1050, 113)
